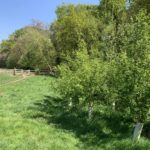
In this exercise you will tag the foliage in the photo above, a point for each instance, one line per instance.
(121, 78)
(137, 5)
(135, 37)
(74, 24)
(129, 88)
(29, 48)
(102, 57)
(83, 80)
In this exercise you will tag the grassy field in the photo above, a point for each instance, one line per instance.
(33, 118)
(5, 78)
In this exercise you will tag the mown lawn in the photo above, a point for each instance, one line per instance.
(32, 118)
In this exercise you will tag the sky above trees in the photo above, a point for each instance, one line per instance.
(18, 13)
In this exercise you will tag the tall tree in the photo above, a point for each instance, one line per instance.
(29, 47)
(75, 24)
(137, 5)
(113, 16)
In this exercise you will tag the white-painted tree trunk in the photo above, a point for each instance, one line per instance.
(113, 106)
(137, 131)
(70, 104)
(90, 111)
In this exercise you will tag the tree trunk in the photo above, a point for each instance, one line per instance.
(137, 131)
(113, 106)
(90, 111)
(14, 71)
(70, 104)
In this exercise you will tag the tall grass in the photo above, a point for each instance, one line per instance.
(32, 117)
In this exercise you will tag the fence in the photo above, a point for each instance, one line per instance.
(28, 72)
(22, 72)
(32, 72)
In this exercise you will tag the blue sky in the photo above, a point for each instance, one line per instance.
(15, 14)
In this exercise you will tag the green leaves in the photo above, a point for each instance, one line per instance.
(130, 84)
(135, 37)
(83, 80)
(74, 24)
(29, 48)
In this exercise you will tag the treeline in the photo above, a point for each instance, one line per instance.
(102, 30)
(102, 53)
(29, 47)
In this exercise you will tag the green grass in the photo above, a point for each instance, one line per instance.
(33, 118)
(5, 78)
(20, 132)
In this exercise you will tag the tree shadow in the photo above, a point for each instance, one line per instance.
(101, 130)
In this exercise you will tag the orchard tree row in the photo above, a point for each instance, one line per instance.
(101, 52)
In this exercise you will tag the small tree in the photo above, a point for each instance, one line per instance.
(82, 81)
(130, 84)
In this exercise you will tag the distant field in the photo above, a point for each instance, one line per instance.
(30, 119)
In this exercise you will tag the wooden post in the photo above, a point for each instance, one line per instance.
(29, 72)
(14, 71)
(22, 71)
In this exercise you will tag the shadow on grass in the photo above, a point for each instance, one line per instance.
(101, 130)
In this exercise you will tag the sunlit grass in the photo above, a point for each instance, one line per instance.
(5, 78)
(19, 132)
(28, 121)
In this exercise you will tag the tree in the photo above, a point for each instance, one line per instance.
(138, 5)
(82, 81)
(29, 47)
(129, 87)
(113, 17)
(36, 48)
(135, 36)
(5, 48)
(74, 23)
